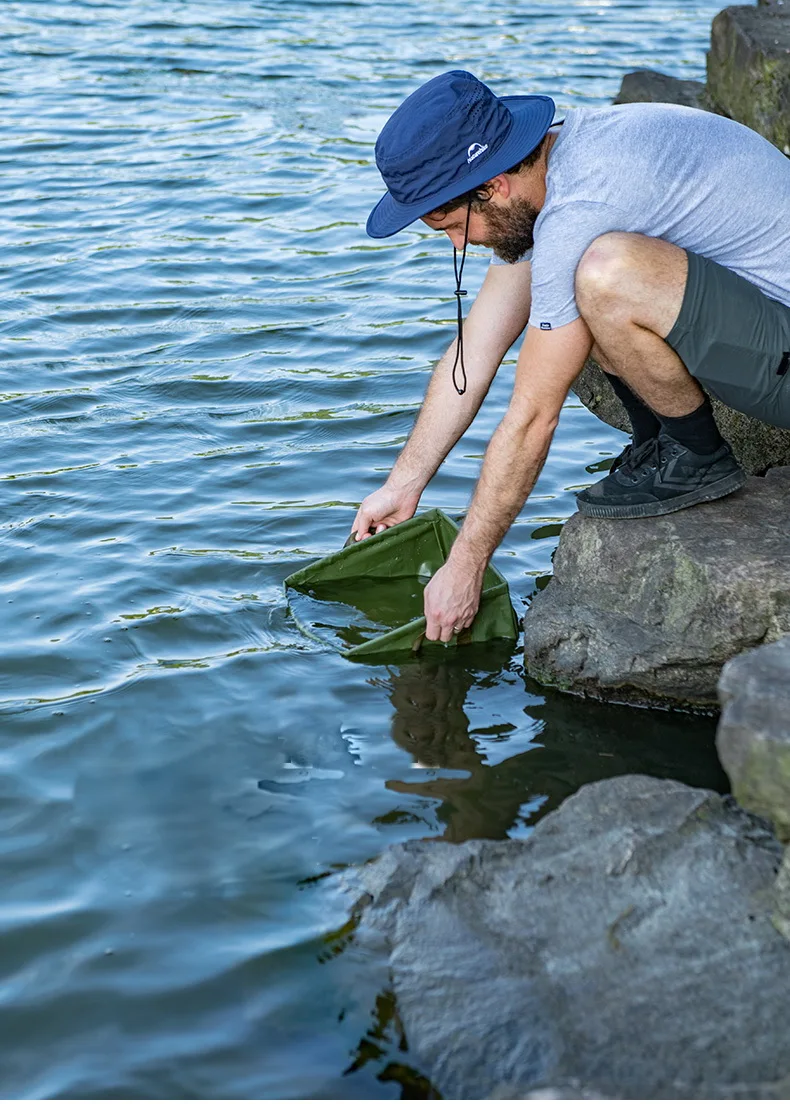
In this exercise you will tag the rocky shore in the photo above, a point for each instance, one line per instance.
(638, 943)
(627, 949)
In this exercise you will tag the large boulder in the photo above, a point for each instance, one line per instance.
(757, 445)
(749, 68)
(649, 610)
(649, 86)
(753, 737)
(624, 950)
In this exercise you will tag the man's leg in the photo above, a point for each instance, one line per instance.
(644, 423)
(630, 290)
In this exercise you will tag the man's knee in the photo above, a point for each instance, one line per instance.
(606, 267)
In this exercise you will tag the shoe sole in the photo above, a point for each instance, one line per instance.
(716, 490)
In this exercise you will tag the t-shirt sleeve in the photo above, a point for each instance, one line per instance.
(561, 238)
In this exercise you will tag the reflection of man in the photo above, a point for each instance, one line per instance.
(661, 243)
(430, 722)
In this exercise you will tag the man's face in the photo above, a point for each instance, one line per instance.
(506, 227)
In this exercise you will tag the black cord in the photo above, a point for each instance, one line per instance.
(459, 291)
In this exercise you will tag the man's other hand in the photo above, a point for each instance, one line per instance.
(452, 598)
(383, 509)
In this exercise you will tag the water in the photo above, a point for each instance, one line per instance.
(206, 366)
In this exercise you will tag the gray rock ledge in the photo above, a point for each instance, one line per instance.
(649, 611)
(624, 950)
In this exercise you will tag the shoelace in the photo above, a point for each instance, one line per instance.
(648, 455)
(459, 291)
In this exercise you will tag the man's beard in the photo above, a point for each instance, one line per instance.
(510, 229)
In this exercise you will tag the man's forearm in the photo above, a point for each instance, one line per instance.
(547, 366)
(442, 420)
(512, 464)
(496, 318)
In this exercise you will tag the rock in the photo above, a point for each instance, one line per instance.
(749, 68)
(649, 610)
(753, 737)
(624, 950)
(757, 445)
(648, 86)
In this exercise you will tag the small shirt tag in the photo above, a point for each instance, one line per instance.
(545, 325)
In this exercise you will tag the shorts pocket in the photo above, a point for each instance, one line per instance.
(746, 379)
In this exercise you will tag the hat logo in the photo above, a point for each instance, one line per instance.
(475, 150)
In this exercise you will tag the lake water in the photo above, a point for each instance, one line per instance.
(206, 365)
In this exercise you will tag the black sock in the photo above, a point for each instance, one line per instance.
(644, 422)
(697, 431)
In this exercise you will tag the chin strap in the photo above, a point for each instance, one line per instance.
(459, 291)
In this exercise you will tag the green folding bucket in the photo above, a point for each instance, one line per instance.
(366, 600)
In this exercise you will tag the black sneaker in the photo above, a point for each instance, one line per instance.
(659, 477)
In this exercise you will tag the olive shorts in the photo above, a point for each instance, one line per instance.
(735, 341)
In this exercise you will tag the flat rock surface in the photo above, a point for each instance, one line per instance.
(649, 610)
(624, 950)
(753, 737)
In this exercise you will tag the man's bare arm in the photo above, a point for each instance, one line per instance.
(547, 366)
(497, 317)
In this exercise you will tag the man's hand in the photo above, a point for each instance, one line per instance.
(452, 598)
(382, 509)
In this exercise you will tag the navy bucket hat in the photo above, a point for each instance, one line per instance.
(450, 136)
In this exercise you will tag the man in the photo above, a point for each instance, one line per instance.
(655, 236)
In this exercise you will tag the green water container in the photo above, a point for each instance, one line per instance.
(381, 580)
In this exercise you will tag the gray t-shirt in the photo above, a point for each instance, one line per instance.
(695, 179)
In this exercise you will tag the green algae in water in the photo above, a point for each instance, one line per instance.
(353, 611)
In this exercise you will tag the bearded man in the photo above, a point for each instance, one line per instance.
(656, 237)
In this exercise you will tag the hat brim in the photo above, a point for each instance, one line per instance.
(532, 117)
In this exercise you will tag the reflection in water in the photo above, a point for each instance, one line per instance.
(385, 1038)
(569, 743)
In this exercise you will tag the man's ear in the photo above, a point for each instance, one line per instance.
(500, 186)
